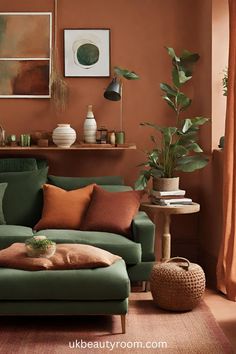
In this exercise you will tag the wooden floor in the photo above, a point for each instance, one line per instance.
(225, 313)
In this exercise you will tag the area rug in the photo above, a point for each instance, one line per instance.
(149, 330)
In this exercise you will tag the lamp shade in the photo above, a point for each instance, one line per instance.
(113, 90)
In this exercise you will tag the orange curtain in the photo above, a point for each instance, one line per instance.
(226, 267)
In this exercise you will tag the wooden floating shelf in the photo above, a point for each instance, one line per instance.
(80, 146)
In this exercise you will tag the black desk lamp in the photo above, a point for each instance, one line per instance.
(113, 92)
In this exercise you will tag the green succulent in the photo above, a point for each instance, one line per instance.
(43, 244)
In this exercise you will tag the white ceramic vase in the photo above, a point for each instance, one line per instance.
(64, 136)
(90, 127)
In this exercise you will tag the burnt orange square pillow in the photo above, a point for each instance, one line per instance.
(111, 211)
(64, 209)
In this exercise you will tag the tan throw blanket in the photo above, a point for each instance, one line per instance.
(67, 256)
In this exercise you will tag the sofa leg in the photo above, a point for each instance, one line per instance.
(147, 286)
(123, 323)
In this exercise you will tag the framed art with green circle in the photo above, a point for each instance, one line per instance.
(87, 52)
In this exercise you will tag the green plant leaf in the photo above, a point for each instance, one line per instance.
(142, 164)
(180, 150)
(187, 56)
(172, 54)
(187, 138)
(170, 103)
(157, 172)
(142, 180)
(168, 132)
(199, 121)
(186, 125)
(127, 74)
(194, 147)
(183, 100)
(191, 163)
(182, 77)
(168, 89)
(175, 77)
(151, 125)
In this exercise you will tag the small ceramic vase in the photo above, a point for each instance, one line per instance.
(90, 127)
(64, 136)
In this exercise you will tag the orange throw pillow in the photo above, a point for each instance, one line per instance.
(64, 209)
(111, 211)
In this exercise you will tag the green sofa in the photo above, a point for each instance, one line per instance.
(22, 207)
(67, 292)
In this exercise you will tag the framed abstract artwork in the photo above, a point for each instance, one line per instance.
(25, 54)
(87, 52)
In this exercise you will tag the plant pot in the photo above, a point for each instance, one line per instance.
(39, 252)
(165, 184)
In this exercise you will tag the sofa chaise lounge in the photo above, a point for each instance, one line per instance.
(22, 207)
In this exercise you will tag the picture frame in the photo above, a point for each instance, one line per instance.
(87, 52)
(25, 54)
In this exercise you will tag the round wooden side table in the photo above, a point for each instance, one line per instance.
(167, 211)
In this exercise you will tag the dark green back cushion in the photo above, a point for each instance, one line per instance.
(3, 187)
(69, 183)
(23, 198)
(41, 163)
(18, 164)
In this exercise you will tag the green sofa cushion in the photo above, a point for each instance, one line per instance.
(23, 198)
(109, 283)
(13, 233)
(69, 183)
(127, 249)
(3, 187)
(18, 164)
(116, 188)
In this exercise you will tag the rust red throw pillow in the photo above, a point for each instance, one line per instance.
(67, 256)
(111, 211)
(64, 209)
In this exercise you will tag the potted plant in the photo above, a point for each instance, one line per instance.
(40, 246)
(176, 148)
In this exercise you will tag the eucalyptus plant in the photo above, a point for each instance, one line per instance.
(176, 148)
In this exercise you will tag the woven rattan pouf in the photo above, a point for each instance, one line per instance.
(177, 284)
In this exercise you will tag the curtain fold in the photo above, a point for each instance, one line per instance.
(226, 267)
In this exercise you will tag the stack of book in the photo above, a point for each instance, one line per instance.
(167, 198)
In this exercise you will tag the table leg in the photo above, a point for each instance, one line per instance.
(166, 238)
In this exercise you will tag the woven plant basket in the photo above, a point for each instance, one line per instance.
(165, 184)
(177, 284)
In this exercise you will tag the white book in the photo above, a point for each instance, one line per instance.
(179, 192)
(182, 201)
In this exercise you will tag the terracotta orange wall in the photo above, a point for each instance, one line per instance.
(139, 31)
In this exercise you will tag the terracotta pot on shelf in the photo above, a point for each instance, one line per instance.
(165, 184)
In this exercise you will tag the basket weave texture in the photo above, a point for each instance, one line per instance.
(177, 284)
